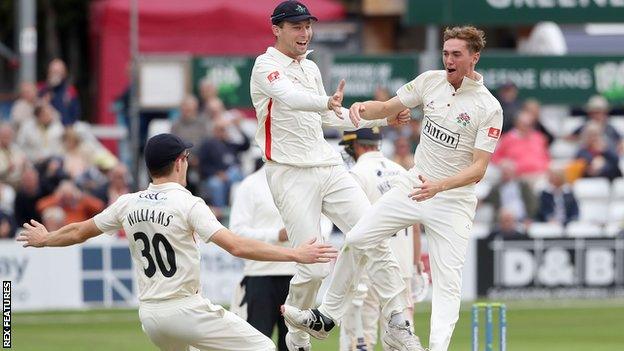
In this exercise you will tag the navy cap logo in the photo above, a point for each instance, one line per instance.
(300, 9)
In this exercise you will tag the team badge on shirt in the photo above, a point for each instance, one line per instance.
(463, 119)
(273, 76)
(494, 132)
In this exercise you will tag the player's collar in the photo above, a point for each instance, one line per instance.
(282, 58)
(370, 154)
(166, 186)
(469, 83)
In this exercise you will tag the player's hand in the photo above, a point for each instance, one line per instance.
(402, 118)
(34, 234)
(354, 113)
(426, 190)
(335, 101)
(315, 253)
(283, 235)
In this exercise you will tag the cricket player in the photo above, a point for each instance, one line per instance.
(265, 284)
(305, 174)
(375, 174)
(163, 223)
(461, 126)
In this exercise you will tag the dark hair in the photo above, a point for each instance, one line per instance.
(475, 38)
(162, 171)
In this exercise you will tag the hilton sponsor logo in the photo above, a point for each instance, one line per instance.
(440, 135)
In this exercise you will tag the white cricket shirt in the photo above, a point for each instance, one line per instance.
(454, 124)
(374, 173)
(160, 223)
(255, 216)
(291, 107)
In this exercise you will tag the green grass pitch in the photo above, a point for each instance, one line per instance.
(532, 326)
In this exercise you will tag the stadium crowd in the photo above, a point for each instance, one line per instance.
(548, 177)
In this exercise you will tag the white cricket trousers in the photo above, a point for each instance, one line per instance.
(447, 218)
(370, 314)
(301, 194)
(193, 323)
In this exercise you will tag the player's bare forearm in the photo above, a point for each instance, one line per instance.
(469, 175)
(36, 235)
(259, 251)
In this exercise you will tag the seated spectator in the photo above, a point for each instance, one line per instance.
(208, 102)
(23, 109)
(41, 137)
(59, 93)
(51, 174)
(220, 165)
(599, 157)
(77, 156)
(7, 226)
(597, 109)
(557, 202)
(513, 194)
(508, 98)
(78, 206)
(190, 126)
(118, 183)
(7, 198)
(12, 159)
(507, 227)
(53, 218)
(525, 147)
(534, 107)
(26, 197)
(403, 153)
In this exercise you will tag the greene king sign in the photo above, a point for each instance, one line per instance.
(564, 79)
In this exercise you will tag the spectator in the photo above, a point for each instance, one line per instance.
(534, 107)
(77, 156)
(557, 202)
(525, 147)
(190, 126)
(23, 109)
(599, 157)
(7, 226)
(597, 109)
(507, 227)
(51, 173)
(78, 206)
(118, 184)
(12, 159)
(53, 218)
(27, 195)
(219, 164)
(209, 101)
(7, 198)
(508, 98)
(403, 153)
(41, 138)
(59, 93)
(513, 194)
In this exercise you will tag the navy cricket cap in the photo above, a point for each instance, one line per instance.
(162, 149)
(364, 136)
(291, 11)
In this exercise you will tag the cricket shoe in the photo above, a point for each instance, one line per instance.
(291, 346)
(310, 321)
(400, 338)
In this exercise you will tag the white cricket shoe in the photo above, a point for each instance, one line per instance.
(310, 321)
(401, 338)
(291, 346)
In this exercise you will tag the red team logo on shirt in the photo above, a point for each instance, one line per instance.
(273, 76)
(494, 132)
